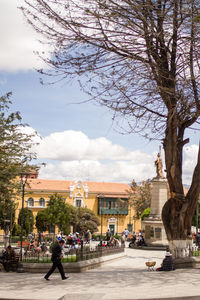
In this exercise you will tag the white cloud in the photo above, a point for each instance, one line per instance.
(18, 40)
(189, 163)
(74, 156)
(75, 145)
(119, 171)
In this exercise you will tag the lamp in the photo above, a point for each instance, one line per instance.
(24, 177)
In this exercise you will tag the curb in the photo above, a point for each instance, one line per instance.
(74, 267)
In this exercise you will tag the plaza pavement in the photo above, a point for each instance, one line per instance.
(125, 278)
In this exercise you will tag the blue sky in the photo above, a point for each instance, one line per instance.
(79, 141)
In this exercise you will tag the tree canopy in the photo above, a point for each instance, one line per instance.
(87, 220)
(140, 58)
(58, 213)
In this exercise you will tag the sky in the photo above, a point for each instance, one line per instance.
(78, 141)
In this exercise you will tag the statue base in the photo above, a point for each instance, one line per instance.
(154, 231)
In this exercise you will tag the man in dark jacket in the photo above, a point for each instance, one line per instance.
(56, 259)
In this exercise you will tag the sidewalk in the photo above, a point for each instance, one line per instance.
(125, 278)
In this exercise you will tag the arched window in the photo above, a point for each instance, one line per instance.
(42, 202)
(30, 202)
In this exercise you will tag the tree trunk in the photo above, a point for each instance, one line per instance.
(178, 211)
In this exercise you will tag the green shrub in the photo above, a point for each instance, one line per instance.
(145, 213)
(116, 236)
(98, 237)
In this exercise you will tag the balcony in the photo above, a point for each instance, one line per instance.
(113, 211)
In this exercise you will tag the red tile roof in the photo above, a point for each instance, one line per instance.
(63, 186)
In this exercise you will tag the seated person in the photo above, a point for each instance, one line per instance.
(9, 258)
(43, 247)
(2, 257)
(141, 241)
(167, 263)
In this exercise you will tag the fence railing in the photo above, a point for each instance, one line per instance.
(73, 255)
(195, 251)
(186, 252)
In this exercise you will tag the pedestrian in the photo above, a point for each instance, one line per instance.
(39, 237)
(126, 233)
(122, 240)
(108, 235)
(87, 236)
(56, 259)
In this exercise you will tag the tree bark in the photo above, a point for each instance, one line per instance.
(178, 211)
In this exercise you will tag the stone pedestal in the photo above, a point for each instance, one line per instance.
(154, 232)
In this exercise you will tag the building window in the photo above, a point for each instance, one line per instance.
(41, 202)
(78, 202)
(109, 204)
(30, 202)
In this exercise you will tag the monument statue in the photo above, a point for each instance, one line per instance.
(159, 166)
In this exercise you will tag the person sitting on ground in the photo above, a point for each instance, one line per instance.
(167, 263)
(9, 257)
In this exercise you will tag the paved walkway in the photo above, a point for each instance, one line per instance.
(125, 278)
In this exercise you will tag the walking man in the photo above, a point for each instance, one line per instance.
(108, 235)
(56, 259)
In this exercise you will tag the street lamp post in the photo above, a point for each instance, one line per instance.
(79, 214)
(11, 222)
(24, 177)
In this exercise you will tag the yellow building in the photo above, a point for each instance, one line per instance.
(100, 197)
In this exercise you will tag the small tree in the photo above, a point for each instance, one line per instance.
(140, 197)
(60, 213)
(28, 220)
(7, 211)
(42, 220)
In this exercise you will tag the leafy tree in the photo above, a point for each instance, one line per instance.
(15, 155)
(141, 60)
(42, 220)
(87, 220)
(60, 213)
(145, 213)
(140, 197)
(28, 220)
(17, 230)
(7, 208)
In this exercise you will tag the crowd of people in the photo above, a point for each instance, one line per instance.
(76, 241)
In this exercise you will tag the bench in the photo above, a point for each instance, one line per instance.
(25, 244)
(12, 265)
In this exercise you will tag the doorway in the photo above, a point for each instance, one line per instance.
(112, 229)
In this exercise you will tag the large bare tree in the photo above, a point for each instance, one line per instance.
(140, 58)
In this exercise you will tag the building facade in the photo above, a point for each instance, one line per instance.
(101, 197)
